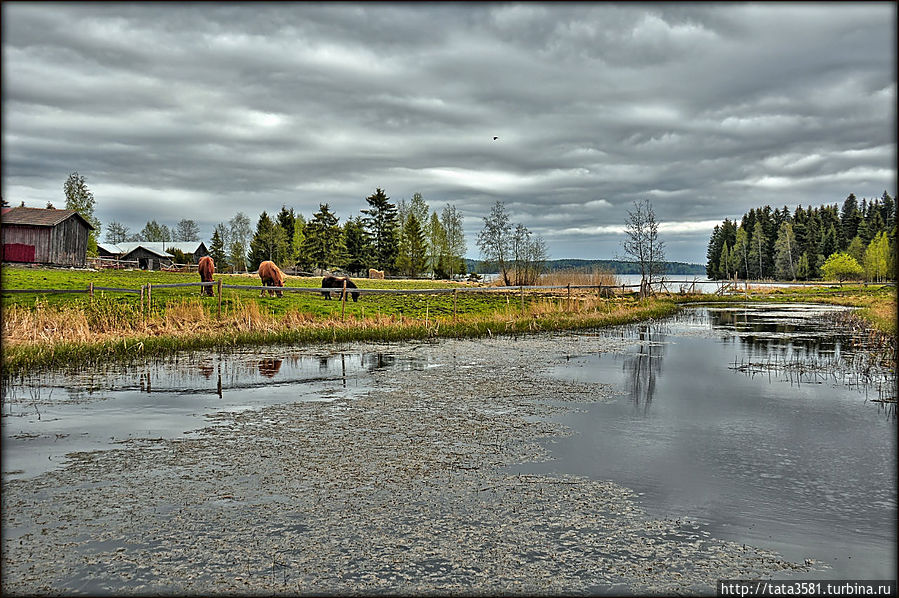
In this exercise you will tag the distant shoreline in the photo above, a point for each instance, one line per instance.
(611, 266)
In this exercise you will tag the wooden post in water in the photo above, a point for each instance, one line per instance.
(220, 298)
(343, 301)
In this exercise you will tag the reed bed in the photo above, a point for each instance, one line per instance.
(594, 276)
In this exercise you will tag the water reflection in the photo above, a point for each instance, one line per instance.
(50, 414)
(269, 367)
(642, 367)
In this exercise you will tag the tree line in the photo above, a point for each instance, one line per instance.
(408, 239)
(857, 239)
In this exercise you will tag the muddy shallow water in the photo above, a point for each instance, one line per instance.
(513, 465)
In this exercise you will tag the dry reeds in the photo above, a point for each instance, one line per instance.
(593, 277)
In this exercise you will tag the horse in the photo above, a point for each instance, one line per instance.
(375, 274)
(271, 276)
(206, 268)
(336, 282)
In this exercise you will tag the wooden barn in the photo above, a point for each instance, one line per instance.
(44, 236)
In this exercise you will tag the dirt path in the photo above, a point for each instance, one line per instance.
(408, 489)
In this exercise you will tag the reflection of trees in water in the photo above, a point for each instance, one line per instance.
(759, 335)
(642, 367)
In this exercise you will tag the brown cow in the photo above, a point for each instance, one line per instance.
(271, 276)
(206, 268)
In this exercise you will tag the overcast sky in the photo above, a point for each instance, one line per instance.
(199, 111)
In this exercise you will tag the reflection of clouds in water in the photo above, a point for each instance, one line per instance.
(642, 367)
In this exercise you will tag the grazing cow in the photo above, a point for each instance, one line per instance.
(206, 268)
(375, 274)
(271, 276)
(336, 282)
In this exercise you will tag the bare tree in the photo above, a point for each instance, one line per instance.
(529, 254)
(116, 232)
(643, 245)
(494, 240)
(186, 230)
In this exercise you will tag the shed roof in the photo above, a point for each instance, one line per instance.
(41, 216)
(159, 248)
(110, 248)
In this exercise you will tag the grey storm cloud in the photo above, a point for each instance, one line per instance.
(202, 110)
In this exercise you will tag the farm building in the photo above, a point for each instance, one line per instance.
(44, 236)
(153, 255)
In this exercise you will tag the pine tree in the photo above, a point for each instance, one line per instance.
(358, 245)
(412, 256)
(323, 245)
(297, 256)
(381, 223)
(268, 243)
(217, 249)
(849, 221)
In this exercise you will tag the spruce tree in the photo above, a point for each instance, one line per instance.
(381, 223)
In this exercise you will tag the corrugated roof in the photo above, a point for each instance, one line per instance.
(110, 247)
(159, 248)
(40, 216)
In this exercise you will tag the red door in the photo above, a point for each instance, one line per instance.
(17, 252)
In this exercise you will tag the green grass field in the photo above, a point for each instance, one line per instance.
(314, 304)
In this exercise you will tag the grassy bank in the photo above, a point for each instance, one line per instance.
(76, 330)
(81, 337)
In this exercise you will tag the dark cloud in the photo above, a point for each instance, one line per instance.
(201, 110)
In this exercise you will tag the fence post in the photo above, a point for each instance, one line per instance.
(343, 301)
(569, 296)
(454, 304)
(522, 297)
(90, 290)
(149, 296)
(220, 298)
(141, 298)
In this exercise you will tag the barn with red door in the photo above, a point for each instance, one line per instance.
(44, 236)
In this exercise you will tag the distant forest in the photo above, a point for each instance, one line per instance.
(612, 266)
(829, 240)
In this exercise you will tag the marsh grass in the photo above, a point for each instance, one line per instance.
(576, 276)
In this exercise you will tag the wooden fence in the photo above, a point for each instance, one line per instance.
(146, 291)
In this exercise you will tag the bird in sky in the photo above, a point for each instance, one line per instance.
(495, 138)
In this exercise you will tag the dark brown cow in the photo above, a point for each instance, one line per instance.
(271, 276)
(206, 268)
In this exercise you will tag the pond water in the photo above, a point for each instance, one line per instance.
(760, 423)
(48, 416)
(752, 421)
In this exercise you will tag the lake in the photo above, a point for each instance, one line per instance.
(721, 442)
